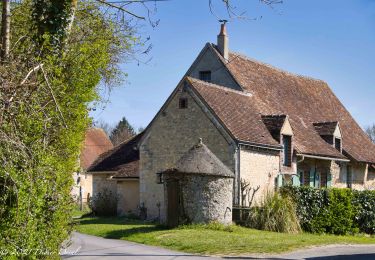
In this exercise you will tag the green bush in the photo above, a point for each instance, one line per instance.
(334, 211)
(364, 202)
(276, 213)
(104, 203)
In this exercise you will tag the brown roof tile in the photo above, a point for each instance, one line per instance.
(325, 128)
(129, 170)
(96, 142)
(237, 112)
(305, 101)
(122, 159)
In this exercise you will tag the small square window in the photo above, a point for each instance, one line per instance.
(183, 103)
(205, 75)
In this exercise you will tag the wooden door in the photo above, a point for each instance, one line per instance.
(173, 203)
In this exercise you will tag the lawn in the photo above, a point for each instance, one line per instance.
(210, 239)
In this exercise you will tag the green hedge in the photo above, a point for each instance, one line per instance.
(334, 211)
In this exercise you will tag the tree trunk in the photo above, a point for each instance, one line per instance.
(5, 30)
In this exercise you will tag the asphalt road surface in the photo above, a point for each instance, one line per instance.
(91, 247)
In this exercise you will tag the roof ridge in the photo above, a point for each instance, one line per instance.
(243, 93)
(243, 56)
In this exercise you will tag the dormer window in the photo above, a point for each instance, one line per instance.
(287, 149)
(338, 144)
(205, 75)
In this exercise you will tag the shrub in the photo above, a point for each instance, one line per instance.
(335, 211)
(309, 203)
(276, 213)
(364, 203)
(104, 203)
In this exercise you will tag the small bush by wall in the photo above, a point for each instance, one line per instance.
(104, 203)
(275, 213)
(335, 211)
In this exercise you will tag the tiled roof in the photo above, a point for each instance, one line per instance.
(122, 159)
(305, 101)
(274, 123)
(129, 170)
(236, 111)
(325, 128)
(96, 142)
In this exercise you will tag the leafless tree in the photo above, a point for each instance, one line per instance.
(247, 193)
(370, 131)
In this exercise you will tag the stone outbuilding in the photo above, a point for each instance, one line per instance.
(117, 172)
(199, 189)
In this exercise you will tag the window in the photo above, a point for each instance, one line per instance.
(183, 103)
(205, 75)
(323, 179)
(287, 141)
(349, 177)
(338, 144)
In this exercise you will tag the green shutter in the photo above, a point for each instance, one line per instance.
(279, 180)
(312, 177)
(317, 179)
(296, 181)
(329, 180)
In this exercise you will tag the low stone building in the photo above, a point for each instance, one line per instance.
(199, 189)
(268, 126)
(96, 143)
(116, 172)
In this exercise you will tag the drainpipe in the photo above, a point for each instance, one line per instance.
(237, 182)
(303, 158)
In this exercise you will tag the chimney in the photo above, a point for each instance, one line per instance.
(222, 41)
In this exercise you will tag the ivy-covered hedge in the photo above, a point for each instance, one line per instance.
(335, 211)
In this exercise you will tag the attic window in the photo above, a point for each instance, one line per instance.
(338, 144)
(287, 142)
(183, 103)
(205, 75)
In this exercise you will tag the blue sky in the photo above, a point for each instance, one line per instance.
(331, 40)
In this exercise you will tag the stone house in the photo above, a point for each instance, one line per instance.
(95, 143)
(117, 171)
(268, 126)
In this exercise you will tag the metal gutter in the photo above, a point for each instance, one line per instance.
(262, 146)
(323, 158)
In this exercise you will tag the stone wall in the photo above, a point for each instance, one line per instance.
(171, 135)
(128, 197)
(219, 74)
(101, 181)
(259, 167)
(207, 198)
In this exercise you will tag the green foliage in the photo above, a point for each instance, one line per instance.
(309, 204)
(364, 202)
(43, 117)
(122, 132)
(104, 203)
(276, 213)
(334, 211)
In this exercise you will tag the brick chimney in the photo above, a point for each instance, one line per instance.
(222, 41)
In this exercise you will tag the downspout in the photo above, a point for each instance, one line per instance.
(303, 158)
(237, 182)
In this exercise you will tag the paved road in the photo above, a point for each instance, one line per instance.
(91, 247)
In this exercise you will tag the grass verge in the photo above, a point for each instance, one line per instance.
(212, 239)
